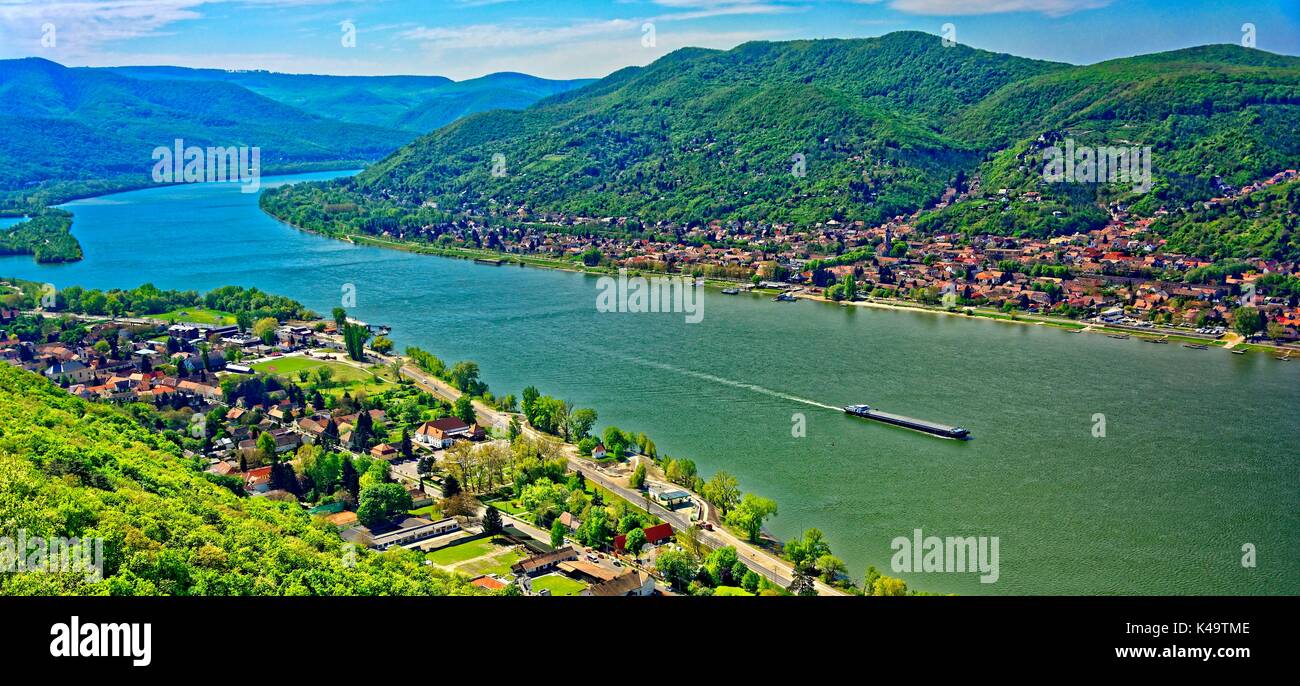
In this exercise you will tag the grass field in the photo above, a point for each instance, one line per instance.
(507, 506)
(428, 511)
(197, 315)
(462, 552)
(558, 585)
(497, 564)
(344, 376)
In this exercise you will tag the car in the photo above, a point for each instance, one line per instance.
(592, 557)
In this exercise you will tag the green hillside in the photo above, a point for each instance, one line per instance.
(704, 134)
(46, 236)
(1215, 117)
(76, 131)
(884, 126)
(1265, 224)
(69, 468)
(411, 103)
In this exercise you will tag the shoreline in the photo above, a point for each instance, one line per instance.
(511, 259)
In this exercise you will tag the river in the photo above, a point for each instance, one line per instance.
(1199, 456)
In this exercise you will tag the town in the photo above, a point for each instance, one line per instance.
(407, 452)
(1119, 275)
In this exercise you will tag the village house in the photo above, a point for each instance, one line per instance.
(544, 562)
(633, 582)
(441, 433)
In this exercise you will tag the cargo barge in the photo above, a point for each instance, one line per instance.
(941, 430)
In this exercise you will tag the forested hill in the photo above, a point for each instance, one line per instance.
(69, 468)
(418, 104)
(1216, 118)
(711, 134)
(79, 131)
(882, 127)
(69, 126)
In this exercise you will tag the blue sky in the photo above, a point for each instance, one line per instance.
(590, 38)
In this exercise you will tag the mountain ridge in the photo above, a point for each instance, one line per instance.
(879, 127)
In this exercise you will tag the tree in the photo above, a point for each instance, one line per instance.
(830, 567)
(381, 501)
(463, 409)
(464, 376)
(492, 521)
(580, 422)
(889, 586)
(283, 477)
(677, 567)
(530, 396)
(634, 540)
(405, 446)
(382, 345)
(350, 479)
(266, 447)
(450, 486)
(594, 532)
(354, 340)
(805, 551)
(265, 328)
(363, 432)
(1247, 320)
(750, 514)
(723, 491)
(460, 505)
(720, 564)
(877, 584)
(340, 316)
(638, 476)
(558, 529)
(802, 585)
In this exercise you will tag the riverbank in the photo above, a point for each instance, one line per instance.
(757, 557)
(1060, 323)
(30, 200)
(506, 259)
(724, 391)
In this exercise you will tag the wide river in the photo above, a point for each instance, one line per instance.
(1199, 457)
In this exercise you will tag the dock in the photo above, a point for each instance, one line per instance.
(932, 428)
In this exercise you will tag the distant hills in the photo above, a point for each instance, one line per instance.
(409, 103)
(79, 131)
(807, 131)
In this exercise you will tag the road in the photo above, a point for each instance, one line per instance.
(769, 566)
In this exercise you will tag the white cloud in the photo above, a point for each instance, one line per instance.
(83, 26)
(589, 57)
(584, 48)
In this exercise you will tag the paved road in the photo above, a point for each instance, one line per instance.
(772, 568)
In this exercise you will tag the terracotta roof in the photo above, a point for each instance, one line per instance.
(621, 585)
(488, 583)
